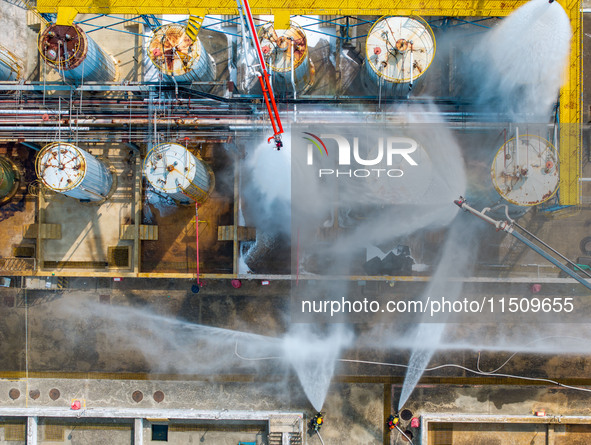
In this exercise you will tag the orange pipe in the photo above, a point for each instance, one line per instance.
(266, 96)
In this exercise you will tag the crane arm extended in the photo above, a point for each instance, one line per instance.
(244, 8)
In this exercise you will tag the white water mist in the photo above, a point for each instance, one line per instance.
(313, 355)
(266, 186)
(457, 261)
(518, 66)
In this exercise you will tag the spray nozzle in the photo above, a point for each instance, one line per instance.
(277, 140)
(460, 202)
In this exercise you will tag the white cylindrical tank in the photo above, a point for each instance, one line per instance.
(67, 169)
(525, 170)
(76, 56)
(175, 172)
(176, 56)
(278, 47)
(398, 50)
(10, 69)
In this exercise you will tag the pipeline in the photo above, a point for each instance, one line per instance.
(507, 226)
(264, 79)
(17, 128)
(42, 112)
(293, 84)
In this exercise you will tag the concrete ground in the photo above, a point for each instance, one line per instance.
(145, 337)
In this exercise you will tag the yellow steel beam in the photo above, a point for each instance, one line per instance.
(65, 16)
(570, 114)
(282, 19)
(570, 97)
(451, 8)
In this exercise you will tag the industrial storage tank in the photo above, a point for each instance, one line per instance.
(71, 171)
(177, 56)
(76, 56)
(284, 49)
(9, 179)
(10, 69)
(525, 170)
(176, 173)
(398, 51)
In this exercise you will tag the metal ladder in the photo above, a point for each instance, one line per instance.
(193, 26)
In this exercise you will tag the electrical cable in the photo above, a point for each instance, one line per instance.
(464, 368)
(434, 368)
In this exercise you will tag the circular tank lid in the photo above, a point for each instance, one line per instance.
(63, 46)
(400, 49)
(172, 51)
(61, 166)
(276, 45)
(170, 167)
(525, 170)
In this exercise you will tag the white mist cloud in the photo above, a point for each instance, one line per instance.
(518, 66)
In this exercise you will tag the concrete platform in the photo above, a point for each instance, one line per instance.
(18, 212)
(88, 229)
(175, 249)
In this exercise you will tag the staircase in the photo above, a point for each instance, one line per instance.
(286, 430)
(16, 264)
(285, 439)
(193, 26)
(23, 4)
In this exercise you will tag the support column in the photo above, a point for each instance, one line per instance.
(554, 432)
(387, 411)
(424, 432)
(137, 199)
(236, 243)
(31, 430)
(138, 432)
